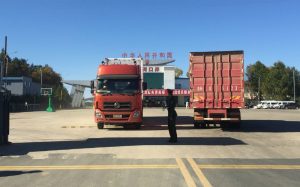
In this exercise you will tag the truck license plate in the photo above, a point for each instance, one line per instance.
(117, 116)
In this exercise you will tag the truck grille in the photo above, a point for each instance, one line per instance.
(116, 105)
(111, 116)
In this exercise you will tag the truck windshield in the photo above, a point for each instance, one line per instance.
(121, 86)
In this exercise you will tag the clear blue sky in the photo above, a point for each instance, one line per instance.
(73, 36)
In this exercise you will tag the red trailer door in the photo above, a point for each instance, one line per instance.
(217, 79)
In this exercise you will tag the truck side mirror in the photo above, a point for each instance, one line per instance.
(92, 87)
(144, 86)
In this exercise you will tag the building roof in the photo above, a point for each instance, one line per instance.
(159, 62)
(16, 78)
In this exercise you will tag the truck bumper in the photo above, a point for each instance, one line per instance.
(221, 119)
(217, 115)
(120, 118)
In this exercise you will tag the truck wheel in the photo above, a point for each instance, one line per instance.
(100, 125)
(236, 125)
(196, 125)
(203, 125)
(138, 126)
(224, 125)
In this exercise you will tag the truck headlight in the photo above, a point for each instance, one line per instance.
(136, 114)
(98, 113)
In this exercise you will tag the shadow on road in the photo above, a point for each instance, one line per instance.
(163, 120)
(24, 148)
(186, 123)
(275, 126)
(161, 123)
(13, 173)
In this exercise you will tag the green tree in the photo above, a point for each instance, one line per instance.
(276, 82)
(187, 74)
(2, 56)
(36, 71)
(61, 97)
(178, 72)
(256, 74)
(291, 82)
(18, 67)
(50, 77)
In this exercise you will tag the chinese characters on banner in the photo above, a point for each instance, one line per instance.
(147, 55)
(150, 69)
(162, 92)
(183, 92)
(155, 92)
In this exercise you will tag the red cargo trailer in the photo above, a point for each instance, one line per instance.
(217, 87)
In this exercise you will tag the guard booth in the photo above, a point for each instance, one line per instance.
(4, 116)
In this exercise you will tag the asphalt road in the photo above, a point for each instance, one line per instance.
(66, 149)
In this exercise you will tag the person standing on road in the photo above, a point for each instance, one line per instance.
(171, 104)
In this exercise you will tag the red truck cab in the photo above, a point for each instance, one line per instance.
(118, 92)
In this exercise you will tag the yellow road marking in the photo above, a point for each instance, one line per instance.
(180, 165)
(184, 171)
(87, 167)
(204, 181)
(250, 166)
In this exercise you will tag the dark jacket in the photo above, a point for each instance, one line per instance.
(171, 104)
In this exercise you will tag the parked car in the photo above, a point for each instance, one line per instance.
(266, 106)
(278, 106)
(259, 106)
(291, 106)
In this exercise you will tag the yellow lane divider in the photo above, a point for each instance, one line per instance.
(249, 166)
(87, 167)
(204, 181)
(184, 171)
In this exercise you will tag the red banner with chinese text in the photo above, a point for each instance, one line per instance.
(163, 92)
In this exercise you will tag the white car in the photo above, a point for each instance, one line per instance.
(259, 106)
(277, 106)
(266, 106)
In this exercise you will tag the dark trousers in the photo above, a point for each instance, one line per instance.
(172, 128)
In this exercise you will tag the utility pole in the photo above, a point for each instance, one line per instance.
(258, 88)
(60, 98)
(41, 77)
(4, 62)
(294, 85)
(1, 74)
(5, 57)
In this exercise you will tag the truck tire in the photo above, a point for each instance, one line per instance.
(203, 125)
(236, 125)
(138, 126)
(225, 125)
(201, 113)
(196, 125)
(235, 113)
(200, 125)
(100, 125)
